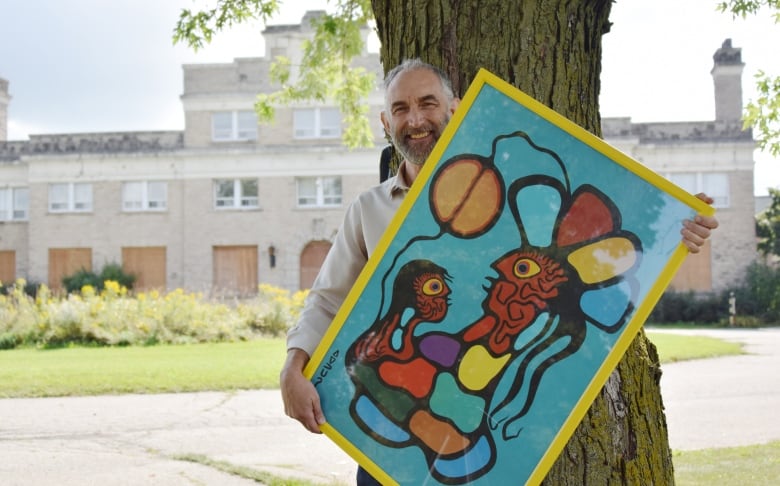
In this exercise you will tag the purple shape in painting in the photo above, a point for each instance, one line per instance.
(440, 348)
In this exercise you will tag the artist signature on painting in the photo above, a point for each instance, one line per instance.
(326, 367)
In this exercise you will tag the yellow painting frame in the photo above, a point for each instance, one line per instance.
(500, 143)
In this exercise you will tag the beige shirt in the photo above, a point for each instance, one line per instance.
(363, 226)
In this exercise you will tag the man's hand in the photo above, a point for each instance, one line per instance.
(301, 400)
(695, 232)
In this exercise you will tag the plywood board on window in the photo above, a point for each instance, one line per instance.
(235, 270)
(312, 257)
(695, 273)
(67, 261)
(147, 264)
(7, 267)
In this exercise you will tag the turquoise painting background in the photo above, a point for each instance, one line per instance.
(650, 213)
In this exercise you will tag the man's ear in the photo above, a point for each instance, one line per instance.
(454, 104)
(385, 123)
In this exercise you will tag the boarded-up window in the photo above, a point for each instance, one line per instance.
(235, 270)
(147, 264)
(67, 261)
(695, 273)
(312, 256)
(7, 267)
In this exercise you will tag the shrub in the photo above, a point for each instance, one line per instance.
(757, 302)
(273, 311)
(747, 321)
(112, 317)
(29, 288)
(8, 341)
(759, 295)
(82, 278)
(676, 307)
(110, 272)
(115, 273)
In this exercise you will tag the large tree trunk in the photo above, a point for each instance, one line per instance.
(551, 50)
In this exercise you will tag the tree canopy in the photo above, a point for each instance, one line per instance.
(768, 226)
(325, 72)
(763, 113)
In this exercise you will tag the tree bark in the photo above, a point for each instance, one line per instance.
(551, 50)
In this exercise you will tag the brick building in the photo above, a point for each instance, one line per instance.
(715, 157)
(226, 203)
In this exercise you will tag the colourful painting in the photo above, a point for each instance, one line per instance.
(520, 266)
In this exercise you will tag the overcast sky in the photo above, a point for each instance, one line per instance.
(110, 65)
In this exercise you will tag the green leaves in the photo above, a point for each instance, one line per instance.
(325, 74)
(768, 226)
(763, 114)
(198, 28)
(743, 8)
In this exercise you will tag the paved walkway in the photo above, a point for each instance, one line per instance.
(134, 439)
(729, 401)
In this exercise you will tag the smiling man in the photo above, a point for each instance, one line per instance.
(418, 105)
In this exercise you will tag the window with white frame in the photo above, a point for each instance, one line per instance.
(317, 123)
(233, 125)
(717, 187)
(714, 184)
(70, 197)
(235, 194)
(14, 203)
(319, 191)
(144, 196)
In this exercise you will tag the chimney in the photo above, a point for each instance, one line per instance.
(727, 76)
(4, 99)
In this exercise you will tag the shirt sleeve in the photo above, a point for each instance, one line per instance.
(339, 271)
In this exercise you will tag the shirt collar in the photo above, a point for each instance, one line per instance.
(397, 184)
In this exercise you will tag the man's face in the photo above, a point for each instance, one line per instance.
(416, 113)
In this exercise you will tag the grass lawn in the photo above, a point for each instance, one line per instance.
(676, 347)
(154, 369)
(255, 364)
(31, 372)
(756, 465)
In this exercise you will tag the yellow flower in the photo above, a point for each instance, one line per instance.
(111, 288)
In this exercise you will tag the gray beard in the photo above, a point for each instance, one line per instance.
(418, 158)
(414, 158)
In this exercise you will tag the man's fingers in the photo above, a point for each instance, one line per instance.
(314, 417)
(709, 222)
(309, 415)
(301, 400)
(705, 198)
(697, 231)
(692, 247)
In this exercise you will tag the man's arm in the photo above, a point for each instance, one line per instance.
(301, 400)
(341, 267)
(695, 232)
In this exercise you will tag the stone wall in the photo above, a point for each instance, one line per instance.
(4, 99)
(92, 143)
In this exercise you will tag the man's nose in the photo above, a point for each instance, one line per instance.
(415, 117)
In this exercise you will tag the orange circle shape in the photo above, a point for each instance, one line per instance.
(467, 197)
